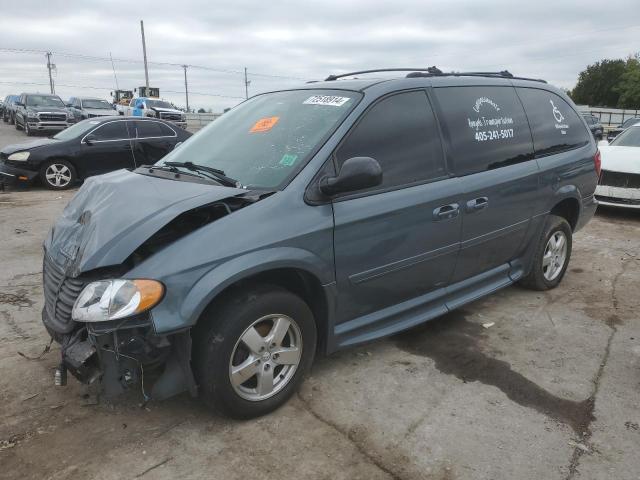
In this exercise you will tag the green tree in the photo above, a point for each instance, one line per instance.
(597, 84)
(629, 85)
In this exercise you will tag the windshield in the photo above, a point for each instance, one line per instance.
(76, 130)
(630, 121)
(267, 139)
(158, 104)
(44, 101)
(629, 138)
(98, 104)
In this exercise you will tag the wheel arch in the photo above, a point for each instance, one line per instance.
(569, 209)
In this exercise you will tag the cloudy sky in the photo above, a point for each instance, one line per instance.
(284, 43)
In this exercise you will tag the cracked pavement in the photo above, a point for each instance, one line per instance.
(550, 391)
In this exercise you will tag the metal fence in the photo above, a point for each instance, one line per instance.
(609, 117)
(195, 121)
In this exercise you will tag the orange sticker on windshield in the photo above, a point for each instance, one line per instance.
(264, 124)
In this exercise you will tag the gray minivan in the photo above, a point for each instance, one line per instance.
(309, 220)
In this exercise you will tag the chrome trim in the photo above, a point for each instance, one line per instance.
(8, 174)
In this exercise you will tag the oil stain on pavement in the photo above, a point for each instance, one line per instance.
(453, 343)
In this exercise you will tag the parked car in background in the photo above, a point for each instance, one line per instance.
(311, 220)
(90, 107)
(594, 125)
(153, 107)
(614, 132)
(39, 112)
(9, 109)
(90, 147)
(619, 184)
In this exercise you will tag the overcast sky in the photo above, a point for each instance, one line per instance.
(284, 43)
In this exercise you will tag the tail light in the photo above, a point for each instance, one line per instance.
(597, 162)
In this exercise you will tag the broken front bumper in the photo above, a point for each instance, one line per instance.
(125, 354)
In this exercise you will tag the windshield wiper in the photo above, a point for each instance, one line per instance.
(215, 173)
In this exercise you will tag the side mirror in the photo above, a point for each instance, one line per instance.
(357, 173)
(89, 139)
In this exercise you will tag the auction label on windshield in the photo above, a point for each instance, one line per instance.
(332, 100)
(264, 124)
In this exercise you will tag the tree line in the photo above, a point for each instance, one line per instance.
(609, 83)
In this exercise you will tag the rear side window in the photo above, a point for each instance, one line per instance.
(485, 127)
(149, 129)
(555, 126)
(111, 131)
(401, 134)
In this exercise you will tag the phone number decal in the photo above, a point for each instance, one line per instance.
(494, 135)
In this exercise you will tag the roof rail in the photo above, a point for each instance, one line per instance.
(436, 72)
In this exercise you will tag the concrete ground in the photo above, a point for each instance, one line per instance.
(550, 391)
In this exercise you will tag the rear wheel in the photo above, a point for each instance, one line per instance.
(552, 255)
(58, 174)
(252, 350)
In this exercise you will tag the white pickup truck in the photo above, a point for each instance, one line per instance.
(153, 107)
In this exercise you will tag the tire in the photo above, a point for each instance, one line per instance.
(28, 130)
(12, 119)
(251, 315)
(58, 174)
(15, 122)
(551, 257)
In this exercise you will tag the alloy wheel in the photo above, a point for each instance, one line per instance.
(266, 357)
(555, 256)
(58, 175)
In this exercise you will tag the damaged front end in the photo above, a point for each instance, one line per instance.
(104, 321)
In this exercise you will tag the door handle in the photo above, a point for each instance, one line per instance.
(446, 212)
(477, 204)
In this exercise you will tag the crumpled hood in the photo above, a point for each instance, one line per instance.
(166, 110)
(20, 147)
(620, 159)
(113, 214)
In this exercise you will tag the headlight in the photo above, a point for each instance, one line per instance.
(32, 116)
(114, 299)
(19, 156)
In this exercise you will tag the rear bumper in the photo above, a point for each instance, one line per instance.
(11, 175)
(589, 206)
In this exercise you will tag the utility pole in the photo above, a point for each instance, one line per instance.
(246, 84)
(186, 87)
(144, 54)
(50, 66)
(114, 71)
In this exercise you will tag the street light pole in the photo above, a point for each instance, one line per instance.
(186, 86)
(144, 54)
(49, 67)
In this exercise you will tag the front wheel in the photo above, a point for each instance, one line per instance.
(27, 130)
(57, 174)
(552, 255)
(252, 350)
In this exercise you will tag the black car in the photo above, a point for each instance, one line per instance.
(614, 132)
(9, 108)
(41, 112)
(90, 147)
(594, 125)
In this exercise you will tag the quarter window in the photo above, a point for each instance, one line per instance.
(555, 125)
(111, 131)
(400, 133)
(485, 127)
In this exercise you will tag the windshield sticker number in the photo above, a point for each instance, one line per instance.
(490, 124)
(287, 159)
(331, 100)
(264, 124)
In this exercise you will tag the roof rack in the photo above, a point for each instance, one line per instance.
(436, 72)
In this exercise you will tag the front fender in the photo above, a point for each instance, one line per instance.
(178, 311)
